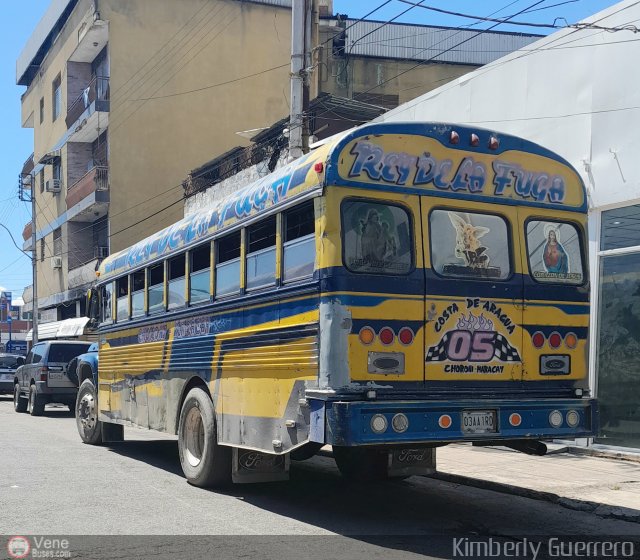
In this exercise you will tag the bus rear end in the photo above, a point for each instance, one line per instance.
(455, 297)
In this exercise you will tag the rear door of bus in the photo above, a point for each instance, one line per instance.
(473, 296)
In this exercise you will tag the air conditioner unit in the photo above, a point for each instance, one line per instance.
(100, 252)
(56, 262)
(53, 186)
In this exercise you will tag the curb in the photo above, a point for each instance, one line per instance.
(604, 454)
(601, 510)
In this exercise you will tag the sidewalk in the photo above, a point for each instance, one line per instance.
(607, 487)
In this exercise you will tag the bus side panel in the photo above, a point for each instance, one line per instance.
(260, 373)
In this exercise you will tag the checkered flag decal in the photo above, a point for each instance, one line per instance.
(504, 351)
(438, 353)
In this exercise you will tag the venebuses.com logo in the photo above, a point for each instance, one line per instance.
(18, 547)
(38, 547)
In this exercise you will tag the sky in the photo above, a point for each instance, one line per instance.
(16, 143)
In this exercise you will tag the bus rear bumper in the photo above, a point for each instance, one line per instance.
(349, 423)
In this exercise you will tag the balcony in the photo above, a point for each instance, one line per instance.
(83, 275)
(27, 232)
(88, 198)
(88, 115)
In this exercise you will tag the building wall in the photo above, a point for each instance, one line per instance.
(387, 82)
(46, 135)
(154, 143)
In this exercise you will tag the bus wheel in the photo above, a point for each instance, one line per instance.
(204, 462)
(89, 427)
(360, 463)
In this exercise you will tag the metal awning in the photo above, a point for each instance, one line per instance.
(69, 328)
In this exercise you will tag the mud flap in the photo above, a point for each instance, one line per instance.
(408, 461)
(253, 466)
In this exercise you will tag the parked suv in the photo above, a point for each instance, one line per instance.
(43, 378)
(9, 363)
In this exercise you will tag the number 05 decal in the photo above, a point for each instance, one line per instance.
(476, 346)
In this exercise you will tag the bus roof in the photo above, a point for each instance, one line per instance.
(432, 159)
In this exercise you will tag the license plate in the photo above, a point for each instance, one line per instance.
(6, 376)
(479, 422)
(56, 374)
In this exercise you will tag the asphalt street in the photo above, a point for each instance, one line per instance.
(52, 483)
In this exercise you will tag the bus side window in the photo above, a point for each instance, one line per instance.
(122, 290)
(261, 254)
(199, 273)
(156, 288)
(176, 281)
(299, 244)
(228, 265)
(106, 301)
(137, 293)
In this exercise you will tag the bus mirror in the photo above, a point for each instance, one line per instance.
(92, 305)
(89, 294)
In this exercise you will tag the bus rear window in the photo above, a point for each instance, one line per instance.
(554, 252)
(469, 245)
(376, 238)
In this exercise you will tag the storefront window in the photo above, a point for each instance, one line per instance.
(620, 228)
(619, 350)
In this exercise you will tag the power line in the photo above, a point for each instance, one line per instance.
(553, 25)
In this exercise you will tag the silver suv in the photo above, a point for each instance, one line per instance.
(43, 378)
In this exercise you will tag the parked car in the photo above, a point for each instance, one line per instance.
(9, 363)
(43, 378)
(84, 366)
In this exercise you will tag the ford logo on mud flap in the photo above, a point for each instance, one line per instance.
(254, 461)
(411, 455)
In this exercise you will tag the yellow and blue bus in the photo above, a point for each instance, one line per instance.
(402, 287)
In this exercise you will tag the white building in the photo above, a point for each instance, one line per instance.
(577, 92)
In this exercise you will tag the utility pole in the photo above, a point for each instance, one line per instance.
(300, 17)
(29, 179)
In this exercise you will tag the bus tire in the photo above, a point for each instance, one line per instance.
(19, 404)
(360, 463)
(204, 462)
(89, 427)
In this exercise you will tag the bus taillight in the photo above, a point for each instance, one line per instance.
(538, 339)
(366, 335)
(571, 340)
(555, 340)
(386, 335)
(405, 336)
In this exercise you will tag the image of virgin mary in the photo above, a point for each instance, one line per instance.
(554, 256)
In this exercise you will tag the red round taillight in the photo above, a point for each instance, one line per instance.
(555, 340)
(386, 335)
(405, 336)
(318, 167)
(538, 340)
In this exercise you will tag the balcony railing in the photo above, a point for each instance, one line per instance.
(98, 91)
(96, 179)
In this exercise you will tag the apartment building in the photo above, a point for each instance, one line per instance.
(124, 98)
